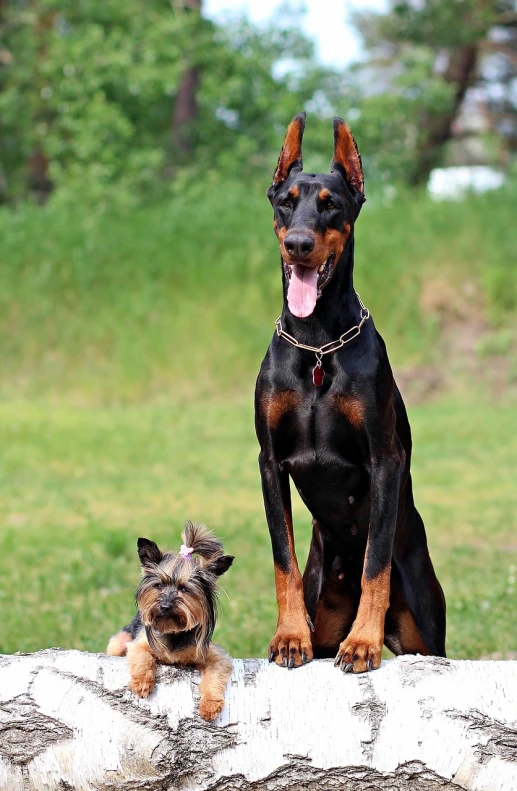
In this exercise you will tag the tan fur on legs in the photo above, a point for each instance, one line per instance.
(117, 646)
(362, 649)
(334, 616)
(142, 666)
(215, 672)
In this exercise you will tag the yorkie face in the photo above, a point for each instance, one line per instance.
(178, 592)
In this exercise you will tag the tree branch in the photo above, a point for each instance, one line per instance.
(68, 721)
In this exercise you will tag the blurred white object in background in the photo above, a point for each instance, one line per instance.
(453, 183)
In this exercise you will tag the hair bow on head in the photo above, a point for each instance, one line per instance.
(186, 552)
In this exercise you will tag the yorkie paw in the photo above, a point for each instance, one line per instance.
(142, 685)
(210, 708)
(290, 648)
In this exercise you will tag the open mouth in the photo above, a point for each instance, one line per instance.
(305, 285)
(324, 272)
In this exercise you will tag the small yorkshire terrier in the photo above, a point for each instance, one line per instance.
(177, 608)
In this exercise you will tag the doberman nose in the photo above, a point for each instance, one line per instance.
(298, 245)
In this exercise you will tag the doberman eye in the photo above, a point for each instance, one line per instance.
(287, 204)
(330, 205)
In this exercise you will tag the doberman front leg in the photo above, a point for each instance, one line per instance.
(291, 645)
(362, 649)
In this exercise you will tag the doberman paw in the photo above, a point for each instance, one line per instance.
(358, 655)
(290, 648)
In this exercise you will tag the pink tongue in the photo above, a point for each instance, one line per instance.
(303, 290)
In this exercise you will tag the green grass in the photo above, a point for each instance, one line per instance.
(130, 343)
(79, 485)
(178, 300)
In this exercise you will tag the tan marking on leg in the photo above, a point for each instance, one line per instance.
(276, 405)
(407, 635)
(215, 672)
(142, 666)
(334, 615)
(292, 636)
(117, 646)
(367, 635)
(351, 408)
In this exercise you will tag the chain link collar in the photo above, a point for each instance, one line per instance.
(327, 348)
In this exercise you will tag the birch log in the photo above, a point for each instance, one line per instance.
(69, 723)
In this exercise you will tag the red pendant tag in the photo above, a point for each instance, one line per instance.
(318, 374)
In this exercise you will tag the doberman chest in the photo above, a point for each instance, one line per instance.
(320, 443)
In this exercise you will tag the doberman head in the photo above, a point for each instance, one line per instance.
(314, 214)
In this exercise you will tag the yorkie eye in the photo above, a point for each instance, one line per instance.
(158, 586)
(182, 589)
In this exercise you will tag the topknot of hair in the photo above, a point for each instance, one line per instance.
(202, 540)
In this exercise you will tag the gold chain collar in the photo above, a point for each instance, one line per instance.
(327, 348)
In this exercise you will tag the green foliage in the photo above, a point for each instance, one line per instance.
(404, 120)
(123, 306)
(92, 86)
(81, 80)
(437, 23)
(388, 124)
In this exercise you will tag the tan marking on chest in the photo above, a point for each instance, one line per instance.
(351, 408)
(276, 405)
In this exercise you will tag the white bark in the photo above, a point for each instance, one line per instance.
(69, 723)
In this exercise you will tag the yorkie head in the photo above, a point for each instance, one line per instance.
(178, 591)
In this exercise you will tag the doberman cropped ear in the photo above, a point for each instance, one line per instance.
(148, 552)
(290, 159)
(347, 159)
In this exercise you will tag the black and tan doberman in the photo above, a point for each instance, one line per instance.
(329, 416)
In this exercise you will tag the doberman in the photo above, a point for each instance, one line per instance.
(330, 416)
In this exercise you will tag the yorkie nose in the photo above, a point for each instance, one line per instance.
(168, 604)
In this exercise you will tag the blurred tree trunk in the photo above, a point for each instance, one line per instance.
(38, 179)
(186, 108)
(5, 56)
(460, 73)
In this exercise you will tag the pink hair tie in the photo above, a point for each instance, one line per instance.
(186, 552)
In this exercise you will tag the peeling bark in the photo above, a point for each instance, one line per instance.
(68, 722)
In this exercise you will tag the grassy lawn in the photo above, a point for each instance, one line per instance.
(130, 342)
(78, 485)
